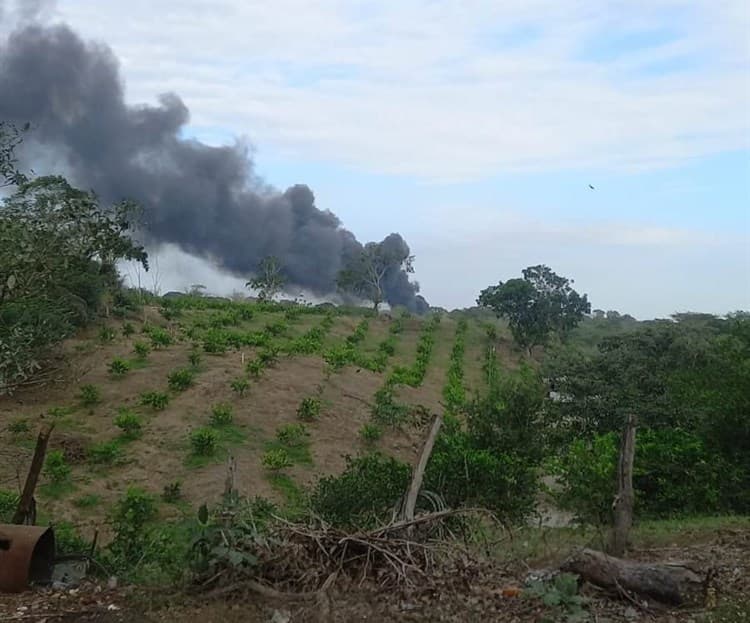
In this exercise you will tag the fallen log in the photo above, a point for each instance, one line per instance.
(673, 583)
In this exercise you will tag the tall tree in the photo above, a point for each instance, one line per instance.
(538, 305)
(269, 281)
(366, 274)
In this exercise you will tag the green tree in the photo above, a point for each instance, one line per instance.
(269, 281)
(58, 252)
(536, 306)
(10, 138)
(367, 272)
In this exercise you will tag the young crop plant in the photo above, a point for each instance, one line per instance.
(129, 423)
(204, 441)
(18, 427)
(89, 395)
(141, 350)
(56, 468)
(292, 435)
(106, 334)
(277, 329)
(269, 356)
(276, 459)
(454, 392)
(172, 492)
(118, 367)
(370, 433)
(158, 401)
(179, 380)
(128, 329)
(160, 338)
(240, 385)
(221, 414)
(255, 368)
(104, 453)
(194, 358)
(309, 409)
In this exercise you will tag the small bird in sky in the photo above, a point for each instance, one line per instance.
(591, 187)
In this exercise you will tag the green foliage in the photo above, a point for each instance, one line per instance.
(221, 414)
(89, 395)
(370, 433)
(172, 492)
(106, 334)
(454, 393)
(18, 427)
(268, 356)
(118, 367)
(8, 504)
(89, 500)
(560, 594)
(240, 385)
(292, 434)
(180, 379)
(364, 494)
(104, 453)
(414, 375)
(129, 423)
(141, 350)
(540, 304)
(386, 410)
(255, 368)
(56, 468)
(160, 338)
(158, 401)
(309, 409)
(310, 342)
(277, 328)
(130, 517)
(276, 459)
(204, 441)
(128, 329)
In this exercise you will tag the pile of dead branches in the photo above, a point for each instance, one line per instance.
(413, 555)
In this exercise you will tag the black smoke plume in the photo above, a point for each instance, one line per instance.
(206, 200)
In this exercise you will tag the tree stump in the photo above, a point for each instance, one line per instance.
(673, 583)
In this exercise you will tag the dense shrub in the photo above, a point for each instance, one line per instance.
(118, 367)
(276, 459)
(179, 380)
(309, 409)
(156, 400)
(204, 441)
(129, 423)
(221, 414)
(129, 518)
(364, 494)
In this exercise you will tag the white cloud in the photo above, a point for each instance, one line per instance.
(420, 87)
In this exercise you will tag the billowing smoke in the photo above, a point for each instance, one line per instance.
(205, 199)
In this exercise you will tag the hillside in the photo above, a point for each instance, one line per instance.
(104, 462)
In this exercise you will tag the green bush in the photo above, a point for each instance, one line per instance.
(158, 401)
(56, 468)
(269, 356)
(309, 409)
(370, 433)
(277, 329)
(160, 338)
(8, 504)
(141, 349)
(204, 441)
(104, 453)
(386, 410)
(240, 385)
(292, 435)
(128, 329)
(221, 414)
(118, 367)
(89, 395)
(180, 379)
(276, 459)
(364, 494)
(129, 518)
(255, 368)
(129, 423)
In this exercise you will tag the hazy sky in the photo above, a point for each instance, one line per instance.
(474, 128)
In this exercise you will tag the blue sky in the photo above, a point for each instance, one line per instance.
(474, 127)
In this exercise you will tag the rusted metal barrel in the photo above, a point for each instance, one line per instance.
(28, 559)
